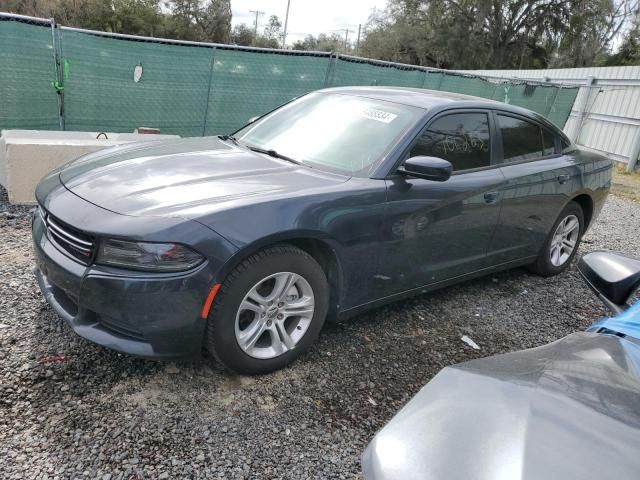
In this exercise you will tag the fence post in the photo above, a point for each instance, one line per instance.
(58, 83)
(582, 108)
(553, 102)
(424, 77)
(495, 90)
(328, 77)
(206, 107)
(442, 74)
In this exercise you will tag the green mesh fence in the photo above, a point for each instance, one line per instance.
(249, 83)
(561, 106)
(102, 95)
(433, 79)
(118, 83)
(468, 85)
(552, 102)
(27, 68)
(351, 72)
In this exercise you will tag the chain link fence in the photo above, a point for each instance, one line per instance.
(27, 68)
(61, 78)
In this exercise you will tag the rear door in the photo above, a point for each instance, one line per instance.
(538, 181)
(440, 230)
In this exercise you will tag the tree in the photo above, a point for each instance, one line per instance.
(468, 34)
(137, 17)
(590, 32)
(242, 34)
(457, 34)
(271, 36)
(321, 43)
(629, 52)
(200, 21)
(309, 43)
(273, 30)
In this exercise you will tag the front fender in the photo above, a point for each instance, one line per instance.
(348, 220)
(326, 250)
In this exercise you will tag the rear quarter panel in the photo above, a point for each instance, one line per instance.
(533, 197)
(596, 179)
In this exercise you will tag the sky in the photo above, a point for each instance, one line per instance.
(308, 16)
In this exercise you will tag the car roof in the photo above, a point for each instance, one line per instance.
(416, 97)
(431, 99)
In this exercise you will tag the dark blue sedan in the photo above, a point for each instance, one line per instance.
(339, 201)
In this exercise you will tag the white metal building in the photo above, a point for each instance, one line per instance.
(606, 113)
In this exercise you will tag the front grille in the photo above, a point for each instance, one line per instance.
(71, 240)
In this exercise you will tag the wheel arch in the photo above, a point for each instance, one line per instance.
(586, 203)
(322, 248)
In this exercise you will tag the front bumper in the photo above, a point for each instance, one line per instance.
(147, 315)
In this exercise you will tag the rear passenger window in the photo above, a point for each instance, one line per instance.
(521, 140)
(549, 142)
(461, 138)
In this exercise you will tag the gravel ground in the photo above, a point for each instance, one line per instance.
(70, 409)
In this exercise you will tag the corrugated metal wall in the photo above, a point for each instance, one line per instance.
(611, 119)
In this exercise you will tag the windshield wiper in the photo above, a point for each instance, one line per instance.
(272, 153)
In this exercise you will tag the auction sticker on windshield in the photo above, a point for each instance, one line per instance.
(379, 115)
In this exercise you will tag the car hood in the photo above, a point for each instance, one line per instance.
(184, 178)
(567, 410)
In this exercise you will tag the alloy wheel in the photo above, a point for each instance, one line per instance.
(274, 315)
(564, 240)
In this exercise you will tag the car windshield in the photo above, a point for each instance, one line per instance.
(339, 133)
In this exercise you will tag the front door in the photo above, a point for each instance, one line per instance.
(436, 231)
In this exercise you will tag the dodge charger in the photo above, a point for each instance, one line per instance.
(339, 201)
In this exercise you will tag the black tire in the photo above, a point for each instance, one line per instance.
(221, 335)
(543, 265)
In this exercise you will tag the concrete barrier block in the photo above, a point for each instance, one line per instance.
(28, 155)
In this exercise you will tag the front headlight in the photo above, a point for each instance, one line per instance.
(151, 257)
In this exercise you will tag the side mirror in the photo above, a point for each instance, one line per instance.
(253, 119)
(613, 277)
(429, 168)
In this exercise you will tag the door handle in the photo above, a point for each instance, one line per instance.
(562, 179)
(491, 197)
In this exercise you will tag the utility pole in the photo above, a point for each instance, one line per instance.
(346, 39)
(358, 41)
(286, 22)
(255, 25)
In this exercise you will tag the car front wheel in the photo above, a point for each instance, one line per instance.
(268, 311)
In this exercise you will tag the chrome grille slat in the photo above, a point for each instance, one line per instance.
(68, 238)
(71, 237)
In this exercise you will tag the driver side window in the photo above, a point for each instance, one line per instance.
(463, 139)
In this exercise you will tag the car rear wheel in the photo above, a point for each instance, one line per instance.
(562, 242)
(268, 311)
